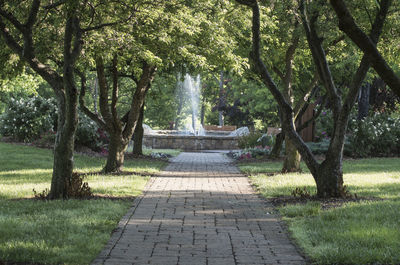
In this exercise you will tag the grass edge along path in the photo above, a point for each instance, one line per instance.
(61, 232)
(364, 232)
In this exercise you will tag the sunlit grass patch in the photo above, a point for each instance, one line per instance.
(366, 232)
(56, 232)
(61, 232)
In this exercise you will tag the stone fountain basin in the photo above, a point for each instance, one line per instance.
(210, 141)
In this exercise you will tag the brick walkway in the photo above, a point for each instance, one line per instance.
(199, 211)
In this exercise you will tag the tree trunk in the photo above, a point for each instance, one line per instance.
(329, 179)
(116, 152)
(276, 150)
(292, 158)
(138, 135)
(63, 150)
(363, 102)
(68, 114)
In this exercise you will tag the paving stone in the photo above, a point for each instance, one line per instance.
(200, 211)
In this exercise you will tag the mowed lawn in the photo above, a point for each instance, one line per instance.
(62, 231)
(366, 232)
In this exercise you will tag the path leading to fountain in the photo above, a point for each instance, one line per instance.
(200, 210)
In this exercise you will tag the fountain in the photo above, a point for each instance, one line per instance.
(190, 134)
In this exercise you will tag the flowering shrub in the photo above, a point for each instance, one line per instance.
(89, 134)
(255, 152)
(27, 119)
(378, 135)
(34, 120)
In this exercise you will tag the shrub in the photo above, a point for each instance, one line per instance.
(255, 152)
(378, 135)
(250, 140)
(34, 120)
(88, 134)
(26, 119)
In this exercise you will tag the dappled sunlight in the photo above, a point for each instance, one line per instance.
(18, 190)
(26, 172)
(362, 232)
(56, 232)
(375, 177)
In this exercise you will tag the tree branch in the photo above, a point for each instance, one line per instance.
(103, 87)
(278, 72)
(306, 96)
(103, 25)
(286, 110)
(54, 5)
(319, 56)
(32, 15)
(48, 74)
(95, 117)
(148, 72)
(348, 26)
(131, 76)
(13, 20)
(114, 98)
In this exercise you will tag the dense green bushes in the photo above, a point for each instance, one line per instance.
(35, 119)
(374, 136)
(27, 119)
(378, 135)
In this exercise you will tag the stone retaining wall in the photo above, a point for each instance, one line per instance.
(190, 143)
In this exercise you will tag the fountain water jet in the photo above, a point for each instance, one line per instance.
(190, 134)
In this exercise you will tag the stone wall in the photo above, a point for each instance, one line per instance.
(190, 143)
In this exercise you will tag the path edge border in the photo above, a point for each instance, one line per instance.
(119, 230)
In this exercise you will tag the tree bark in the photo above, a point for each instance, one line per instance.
(292, 158)
(329, 178)
(116, 153)
(68, 117)
(138, 135)
(363, 102)
(277, 149)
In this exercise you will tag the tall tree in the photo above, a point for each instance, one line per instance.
(23, 27)
(328, 175)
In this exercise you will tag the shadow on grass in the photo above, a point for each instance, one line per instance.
(370, 165)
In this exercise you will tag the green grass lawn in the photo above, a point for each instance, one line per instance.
(60, 232)
(366, 232)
